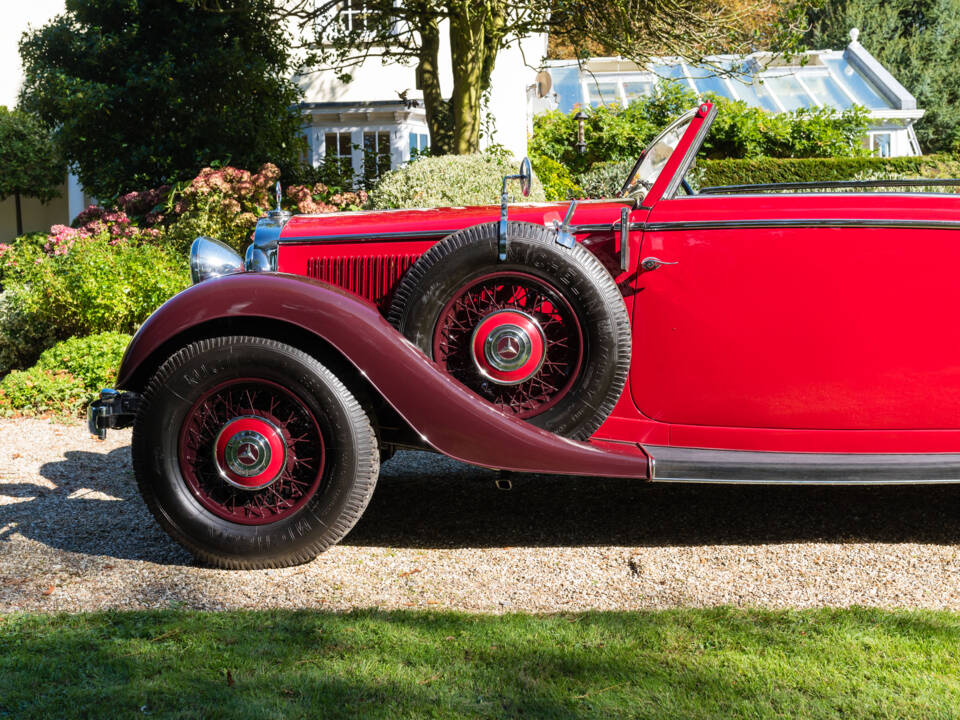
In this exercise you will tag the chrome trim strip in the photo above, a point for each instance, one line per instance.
(700, 465)
(370, 237)
(801, 223)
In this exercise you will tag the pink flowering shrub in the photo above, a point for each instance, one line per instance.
(223, 203)
(321, 199)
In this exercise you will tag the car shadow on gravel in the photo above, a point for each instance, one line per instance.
(94, 509)
(427, 501)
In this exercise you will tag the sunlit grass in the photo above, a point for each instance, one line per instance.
(686, 663)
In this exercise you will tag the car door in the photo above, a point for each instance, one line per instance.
(823, 312)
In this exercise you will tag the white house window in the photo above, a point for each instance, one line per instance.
(339, 151)
(354, 15)
(418, 143)
(881, 144)
(376, 153)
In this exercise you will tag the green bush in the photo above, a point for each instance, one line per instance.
(558, 183)
(94, 287)
(449, 180)
(616, 133)
(65, 376)
(606, 179)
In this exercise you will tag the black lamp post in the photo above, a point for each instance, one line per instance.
(581, 143)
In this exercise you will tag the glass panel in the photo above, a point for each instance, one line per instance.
(825, 90)
(601, 93)
(330, 143)
(881, 144)
(414, 148)
(707, 82)
(863, 90)
(345, 147)
(790, 93)
(671, 72)
(566, 84)
(383, 152)
(754, 93)
(634, 89)
(370, 155)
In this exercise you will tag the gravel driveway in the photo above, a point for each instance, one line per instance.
(74, 535)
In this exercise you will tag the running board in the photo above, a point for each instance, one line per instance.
(698, 465)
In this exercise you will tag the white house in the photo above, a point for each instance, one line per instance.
(381, 109)
(826, 78)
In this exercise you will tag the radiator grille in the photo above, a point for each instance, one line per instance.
(370, 276)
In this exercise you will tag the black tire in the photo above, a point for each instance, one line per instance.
(469, 255)
(209, 375)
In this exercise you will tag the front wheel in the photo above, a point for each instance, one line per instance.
(252, 454)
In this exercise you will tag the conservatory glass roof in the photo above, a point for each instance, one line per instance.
(827, 79)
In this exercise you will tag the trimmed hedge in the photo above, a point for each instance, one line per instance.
(789, 170)
(449, 180)
(605, 179)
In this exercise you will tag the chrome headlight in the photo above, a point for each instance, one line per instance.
(211, 258)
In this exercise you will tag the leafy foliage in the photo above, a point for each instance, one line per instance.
(142, 93)
(918, 41)
(65, 376)
(558, 183)
(94, 287)
(447, 180)
(30, 162)
(613, 132)
(222, 203)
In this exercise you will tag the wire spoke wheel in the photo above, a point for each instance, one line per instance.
(490, 321)
(544, 334)
(251, 451)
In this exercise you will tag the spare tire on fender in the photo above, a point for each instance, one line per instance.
(543, 335)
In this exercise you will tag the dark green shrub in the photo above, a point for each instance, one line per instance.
(65, 376)
(95, 287)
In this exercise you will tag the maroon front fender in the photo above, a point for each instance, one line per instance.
(449, 417)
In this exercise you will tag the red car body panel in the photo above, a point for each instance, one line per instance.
(448, 417)
(802, 323)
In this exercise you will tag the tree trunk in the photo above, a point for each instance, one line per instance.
(476, 30)
(467, 51)
(439, 118)
(16, 196)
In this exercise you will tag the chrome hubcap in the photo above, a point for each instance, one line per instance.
(250, 452)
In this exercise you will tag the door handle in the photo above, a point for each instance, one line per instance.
(652, 263)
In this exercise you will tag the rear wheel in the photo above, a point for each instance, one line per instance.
(252, 454)
(544, 336)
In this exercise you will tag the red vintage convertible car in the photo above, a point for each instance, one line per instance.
(726, 335)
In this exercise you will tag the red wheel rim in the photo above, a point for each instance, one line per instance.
(513, 298)
(251, 452)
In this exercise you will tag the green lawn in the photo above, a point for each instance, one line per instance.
(688, 663)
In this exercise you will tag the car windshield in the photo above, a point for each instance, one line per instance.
(654, 157)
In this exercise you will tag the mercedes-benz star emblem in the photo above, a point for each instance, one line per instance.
(508, 348)
(248, 454)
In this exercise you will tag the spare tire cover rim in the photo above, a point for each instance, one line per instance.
(508, 347)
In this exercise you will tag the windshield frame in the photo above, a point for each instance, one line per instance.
(681, 160)
(687, 118)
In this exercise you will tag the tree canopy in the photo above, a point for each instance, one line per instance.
(918, 41)
(30, 162)
(145, 92)
(479, 29)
